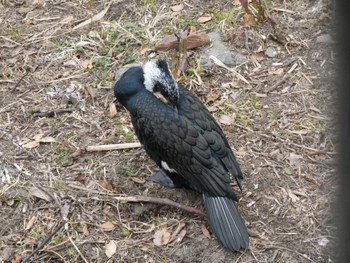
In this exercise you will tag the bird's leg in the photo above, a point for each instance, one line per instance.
(162, 178)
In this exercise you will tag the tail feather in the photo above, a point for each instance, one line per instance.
(226, 222)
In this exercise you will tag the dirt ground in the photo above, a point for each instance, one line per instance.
(56, 78)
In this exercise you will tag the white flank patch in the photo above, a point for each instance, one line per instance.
(166, 167)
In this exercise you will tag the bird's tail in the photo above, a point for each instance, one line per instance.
(226, 222)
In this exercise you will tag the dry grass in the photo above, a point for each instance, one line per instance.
(55, 83)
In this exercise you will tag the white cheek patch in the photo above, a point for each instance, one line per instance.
(166, 167)
(151, 73)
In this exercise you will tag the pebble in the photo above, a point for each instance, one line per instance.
(270, 52)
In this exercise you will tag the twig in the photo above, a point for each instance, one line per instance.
(281, 81)
(221, 64)
(162, 201)
(111, 147)
(77, 249)
(51, 113)
(140, 198)
(47, 240)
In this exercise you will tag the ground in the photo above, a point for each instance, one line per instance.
(56, 99)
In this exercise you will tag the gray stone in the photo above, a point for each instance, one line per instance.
(270, 52)
(221, 52)
(325, 38)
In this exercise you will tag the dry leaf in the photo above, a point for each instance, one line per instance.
(161, 237)
(205, 231)
(31, 144)
(110, 248)
(85, 228)
(95, 18)
(65, 211)
(157, 237)
(30, 223)
(31, 21)
(236, 2)
(177, 8)
(138, 180)
(204, 19)
(177, 231)
(294, 159)
(108, 226)
(38, 136)
(166, 236)
(276, 72)
(112, 109)
(292, 196)
(40, 194)
(87, 64)
(226, 120)
(17, 259)
(144, 50)
(47, 139)
(105, 185)
(181, 236)
(249, 19)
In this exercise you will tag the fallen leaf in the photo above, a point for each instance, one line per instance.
(30, 223)
(226, 120)
(161, 237)
(181, 236)
(292, 196)
(294, 159)
(166, 236)
(86, 64)
(31, 144)
(144, 50)
(85, 228)
(276, 71)
(177, 8)
(192, 30)
(112, 109)
(34, 191)
(110, 248)
(95, 18)
(205, 231)
(108, 226)
(249, 19)
(177, 231)
(17, 259)
(31, 21)
(138, 180)
(157, 237)
(65, 211)
(204, 19)
(47, 139)
(106, 185)
(38, 136)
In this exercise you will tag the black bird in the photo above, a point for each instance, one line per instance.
(183, 138)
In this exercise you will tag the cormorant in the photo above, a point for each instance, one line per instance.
(183, 138)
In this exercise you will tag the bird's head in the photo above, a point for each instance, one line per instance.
(159, 81)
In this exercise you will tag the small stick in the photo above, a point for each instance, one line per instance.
(221, 64)
(140, 198)
(47, 240)
(111, 147)
(77, 249)
(162, 201)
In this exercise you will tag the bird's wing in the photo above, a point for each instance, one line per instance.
(193, 109)
(179, 142)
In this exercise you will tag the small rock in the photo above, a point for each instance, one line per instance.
(325, 38)
(221, 52)
(8, 253)
(270, 52)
